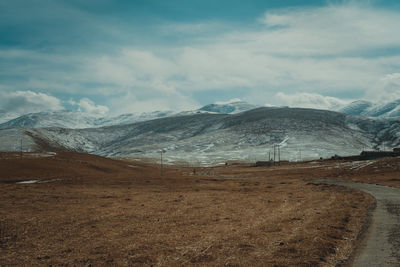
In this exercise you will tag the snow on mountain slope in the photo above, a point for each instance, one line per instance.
(384, 110)
(133, 117)
(6, 116)
(214, 138)
(14, 138)
(66, 119)
(358, 107)
(229, 107)
(366, 108)
(77, 119)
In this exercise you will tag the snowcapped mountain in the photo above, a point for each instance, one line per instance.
(65, 119)
(79, 120)
(6, 116)
(210, 138)
(133, 117)
(229, 107)
(366, 108)
(391, 109)
(358, 107)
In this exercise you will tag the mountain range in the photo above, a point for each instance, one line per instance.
(367, 108)
(76, 119)
(79, 120)
(209, 137)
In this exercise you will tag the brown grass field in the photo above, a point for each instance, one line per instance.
(92, 211)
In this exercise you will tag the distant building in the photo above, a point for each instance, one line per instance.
(380, 154)
(365, 155)
(234, 162)
(264, 163)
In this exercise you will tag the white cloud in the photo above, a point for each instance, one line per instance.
(331, 50)
(330, 30)
(129, 103)
(307, 100)
(386, 89)
(23, 102)
(233, 100)
(88, 106)
(325, 50)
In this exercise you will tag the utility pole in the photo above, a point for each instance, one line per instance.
(161, 166)
(279, 154)
(161, 162)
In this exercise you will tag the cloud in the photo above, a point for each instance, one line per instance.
(386, 89)
(330, 30)
(305, 53)
(14, 104)
(233, 100)
(23, 102)
(307, 100)
(130, 103)
(326, 50)
(88, 106)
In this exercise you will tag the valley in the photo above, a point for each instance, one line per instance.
(88, 210)
(98, 195)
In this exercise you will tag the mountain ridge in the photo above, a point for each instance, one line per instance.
(211, 138)
(79, 120)
(370, 109)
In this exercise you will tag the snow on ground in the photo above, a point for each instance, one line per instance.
(28, 182)
(38, 181)
(360, 164)
(15, 139)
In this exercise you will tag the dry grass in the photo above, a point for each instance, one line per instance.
(105, 212)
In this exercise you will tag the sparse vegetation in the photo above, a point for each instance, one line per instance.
(8, 233)
(101, 211)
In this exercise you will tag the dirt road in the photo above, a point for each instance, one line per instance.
(381, 245)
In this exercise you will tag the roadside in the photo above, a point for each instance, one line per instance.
(381, 245)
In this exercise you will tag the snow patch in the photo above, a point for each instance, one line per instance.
(28, 182)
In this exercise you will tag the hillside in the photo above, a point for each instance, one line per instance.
(80, 120)
(366, 108)
(215, 138)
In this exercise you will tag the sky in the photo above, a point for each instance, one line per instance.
(108, 57)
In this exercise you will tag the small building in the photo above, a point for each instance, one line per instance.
(380, 154)
(264, 163)
(234, 163)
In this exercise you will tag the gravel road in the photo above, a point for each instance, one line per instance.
(381, 244)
